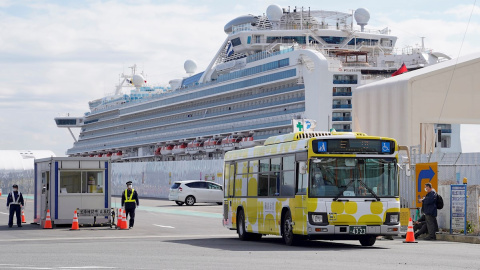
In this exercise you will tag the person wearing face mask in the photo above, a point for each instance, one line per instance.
(15, 203)
(430, 210)
(130, 202)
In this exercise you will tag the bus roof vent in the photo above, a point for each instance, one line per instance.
(290, 137)
(308, 135)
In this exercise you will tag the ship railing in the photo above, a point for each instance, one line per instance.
(244, 98)
(213, 118)
(230, 127)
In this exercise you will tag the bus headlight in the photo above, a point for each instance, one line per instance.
(392, 218)
(316, 218)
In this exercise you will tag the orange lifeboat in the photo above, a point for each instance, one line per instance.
(166, 149)
(212, 144)
(230, 143)
(109, 154)
(179, 148)
(247, 142)
(194, 147)
(157, 151)
(117, 155)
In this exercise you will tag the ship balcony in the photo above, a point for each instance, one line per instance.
(346, 118)
(345, 81)
(446, 130)
(342, 94)
(341, 106)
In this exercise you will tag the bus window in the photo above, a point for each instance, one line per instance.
(263, 184)
(302, 182)
(274, 184)
(265, 165)
(288, 183)
(288, 163)
(226, 178)
(253, 178)
(276, 162)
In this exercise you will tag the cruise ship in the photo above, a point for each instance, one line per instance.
(271, 71)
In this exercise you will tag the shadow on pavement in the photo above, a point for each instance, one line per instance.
(267, 244)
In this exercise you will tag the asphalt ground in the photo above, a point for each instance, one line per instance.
(167, 236)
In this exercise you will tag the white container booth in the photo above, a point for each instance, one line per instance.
(65, 184)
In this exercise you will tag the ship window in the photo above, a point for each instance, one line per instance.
(236, 42)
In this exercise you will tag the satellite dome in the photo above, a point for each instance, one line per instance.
(362, 16)
(274, 13)
(138, 80)
(190, 66)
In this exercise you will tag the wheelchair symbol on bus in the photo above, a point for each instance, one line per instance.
(385, 147)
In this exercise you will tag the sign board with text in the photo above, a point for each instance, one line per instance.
(425, 173)
(458, 208)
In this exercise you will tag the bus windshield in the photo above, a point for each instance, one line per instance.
(353, 177)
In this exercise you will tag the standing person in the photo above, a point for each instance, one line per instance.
(130, 202)
(430, 210)
(15, 203)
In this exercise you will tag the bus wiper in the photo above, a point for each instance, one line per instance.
(341, 192)
(369, 190)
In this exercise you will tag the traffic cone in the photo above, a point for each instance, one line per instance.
(410, 234)
(75, 221)
(119, 218)
(48, 221)
(23, 217)
(124, 223)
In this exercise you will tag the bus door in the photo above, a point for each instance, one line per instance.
(300, 203)
(228, 188)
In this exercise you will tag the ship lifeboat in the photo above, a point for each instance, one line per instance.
(166, 150)
(117, 155)
(247, 142)
(180, 148)
(230, 143)
(212, 144)
(158, 151)
(100, 155)
(195, 147)
(92, 155)
(109, 154)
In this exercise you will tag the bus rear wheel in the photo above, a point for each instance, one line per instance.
(287, 230)
(368, 241)
(242, 233)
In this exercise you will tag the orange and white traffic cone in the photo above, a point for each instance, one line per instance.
(48, 221)
(410, 234)
(75, 221)
(23, 217)
(124, 223)
(119, 218)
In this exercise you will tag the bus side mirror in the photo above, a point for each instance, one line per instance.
(302, 167)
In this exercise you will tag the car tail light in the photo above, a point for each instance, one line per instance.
(180, 189)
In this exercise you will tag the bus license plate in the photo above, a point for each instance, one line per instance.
(358, 230)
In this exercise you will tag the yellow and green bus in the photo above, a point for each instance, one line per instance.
(316, 185)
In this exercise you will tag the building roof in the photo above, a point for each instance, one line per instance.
(20, 160)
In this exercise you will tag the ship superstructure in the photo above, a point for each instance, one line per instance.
(287, 64)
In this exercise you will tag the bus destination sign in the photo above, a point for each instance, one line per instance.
(353, 146)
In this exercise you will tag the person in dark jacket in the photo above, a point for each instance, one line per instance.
(420, 226)
(430, 210)
(15, 203)
(130, 202)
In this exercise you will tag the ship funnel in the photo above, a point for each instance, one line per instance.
(362, 16)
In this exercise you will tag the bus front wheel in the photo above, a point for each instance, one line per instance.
(287, 230)
(368, 241)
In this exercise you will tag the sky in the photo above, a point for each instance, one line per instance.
(55, 56)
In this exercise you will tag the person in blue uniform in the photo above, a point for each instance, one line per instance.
(15, 203)
(130, 202)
